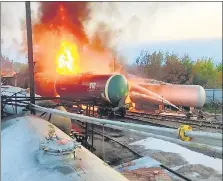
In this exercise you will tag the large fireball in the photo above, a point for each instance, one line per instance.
(67, 59)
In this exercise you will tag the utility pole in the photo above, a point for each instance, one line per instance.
(30, 54)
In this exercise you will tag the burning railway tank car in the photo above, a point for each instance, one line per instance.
(44, 86)
(107, 91)
(179, 95)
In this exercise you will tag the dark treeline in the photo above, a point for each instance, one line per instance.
(171, 68)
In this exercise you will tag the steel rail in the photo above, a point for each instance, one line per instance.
(178, 119)
(173, 118)
(151, 115)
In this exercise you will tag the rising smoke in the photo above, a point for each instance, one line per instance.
(108, 23)
(68, 21)
(69, 15)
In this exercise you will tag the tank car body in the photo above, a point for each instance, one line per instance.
(179, 95)
(108, 91)
(33, 149)
(44, 85)
(111, 88)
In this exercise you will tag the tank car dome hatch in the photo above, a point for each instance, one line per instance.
(52, 144)
(54, 149)
(116, 88)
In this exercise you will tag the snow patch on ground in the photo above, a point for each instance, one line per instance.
(191, 156)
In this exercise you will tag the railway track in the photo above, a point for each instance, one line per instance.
(166, 116)
(172, 121)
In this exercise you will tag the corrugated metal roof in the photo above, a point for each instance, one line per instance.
(143, 169)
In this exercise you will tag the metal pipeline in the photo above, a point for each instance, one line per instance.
(205, 147)
(105, 121)
(163, 133)
(206, 135)
(215, 149)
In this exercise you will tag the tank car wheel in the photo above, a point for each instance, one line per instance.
(99, 113)
(102, 112)
(111, 115)
(123, 112)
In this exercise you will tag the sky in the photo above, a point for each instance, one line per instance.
(181, 27)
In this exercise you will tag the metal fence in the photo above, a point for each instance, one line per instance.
(213, 95)
(213, 101)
